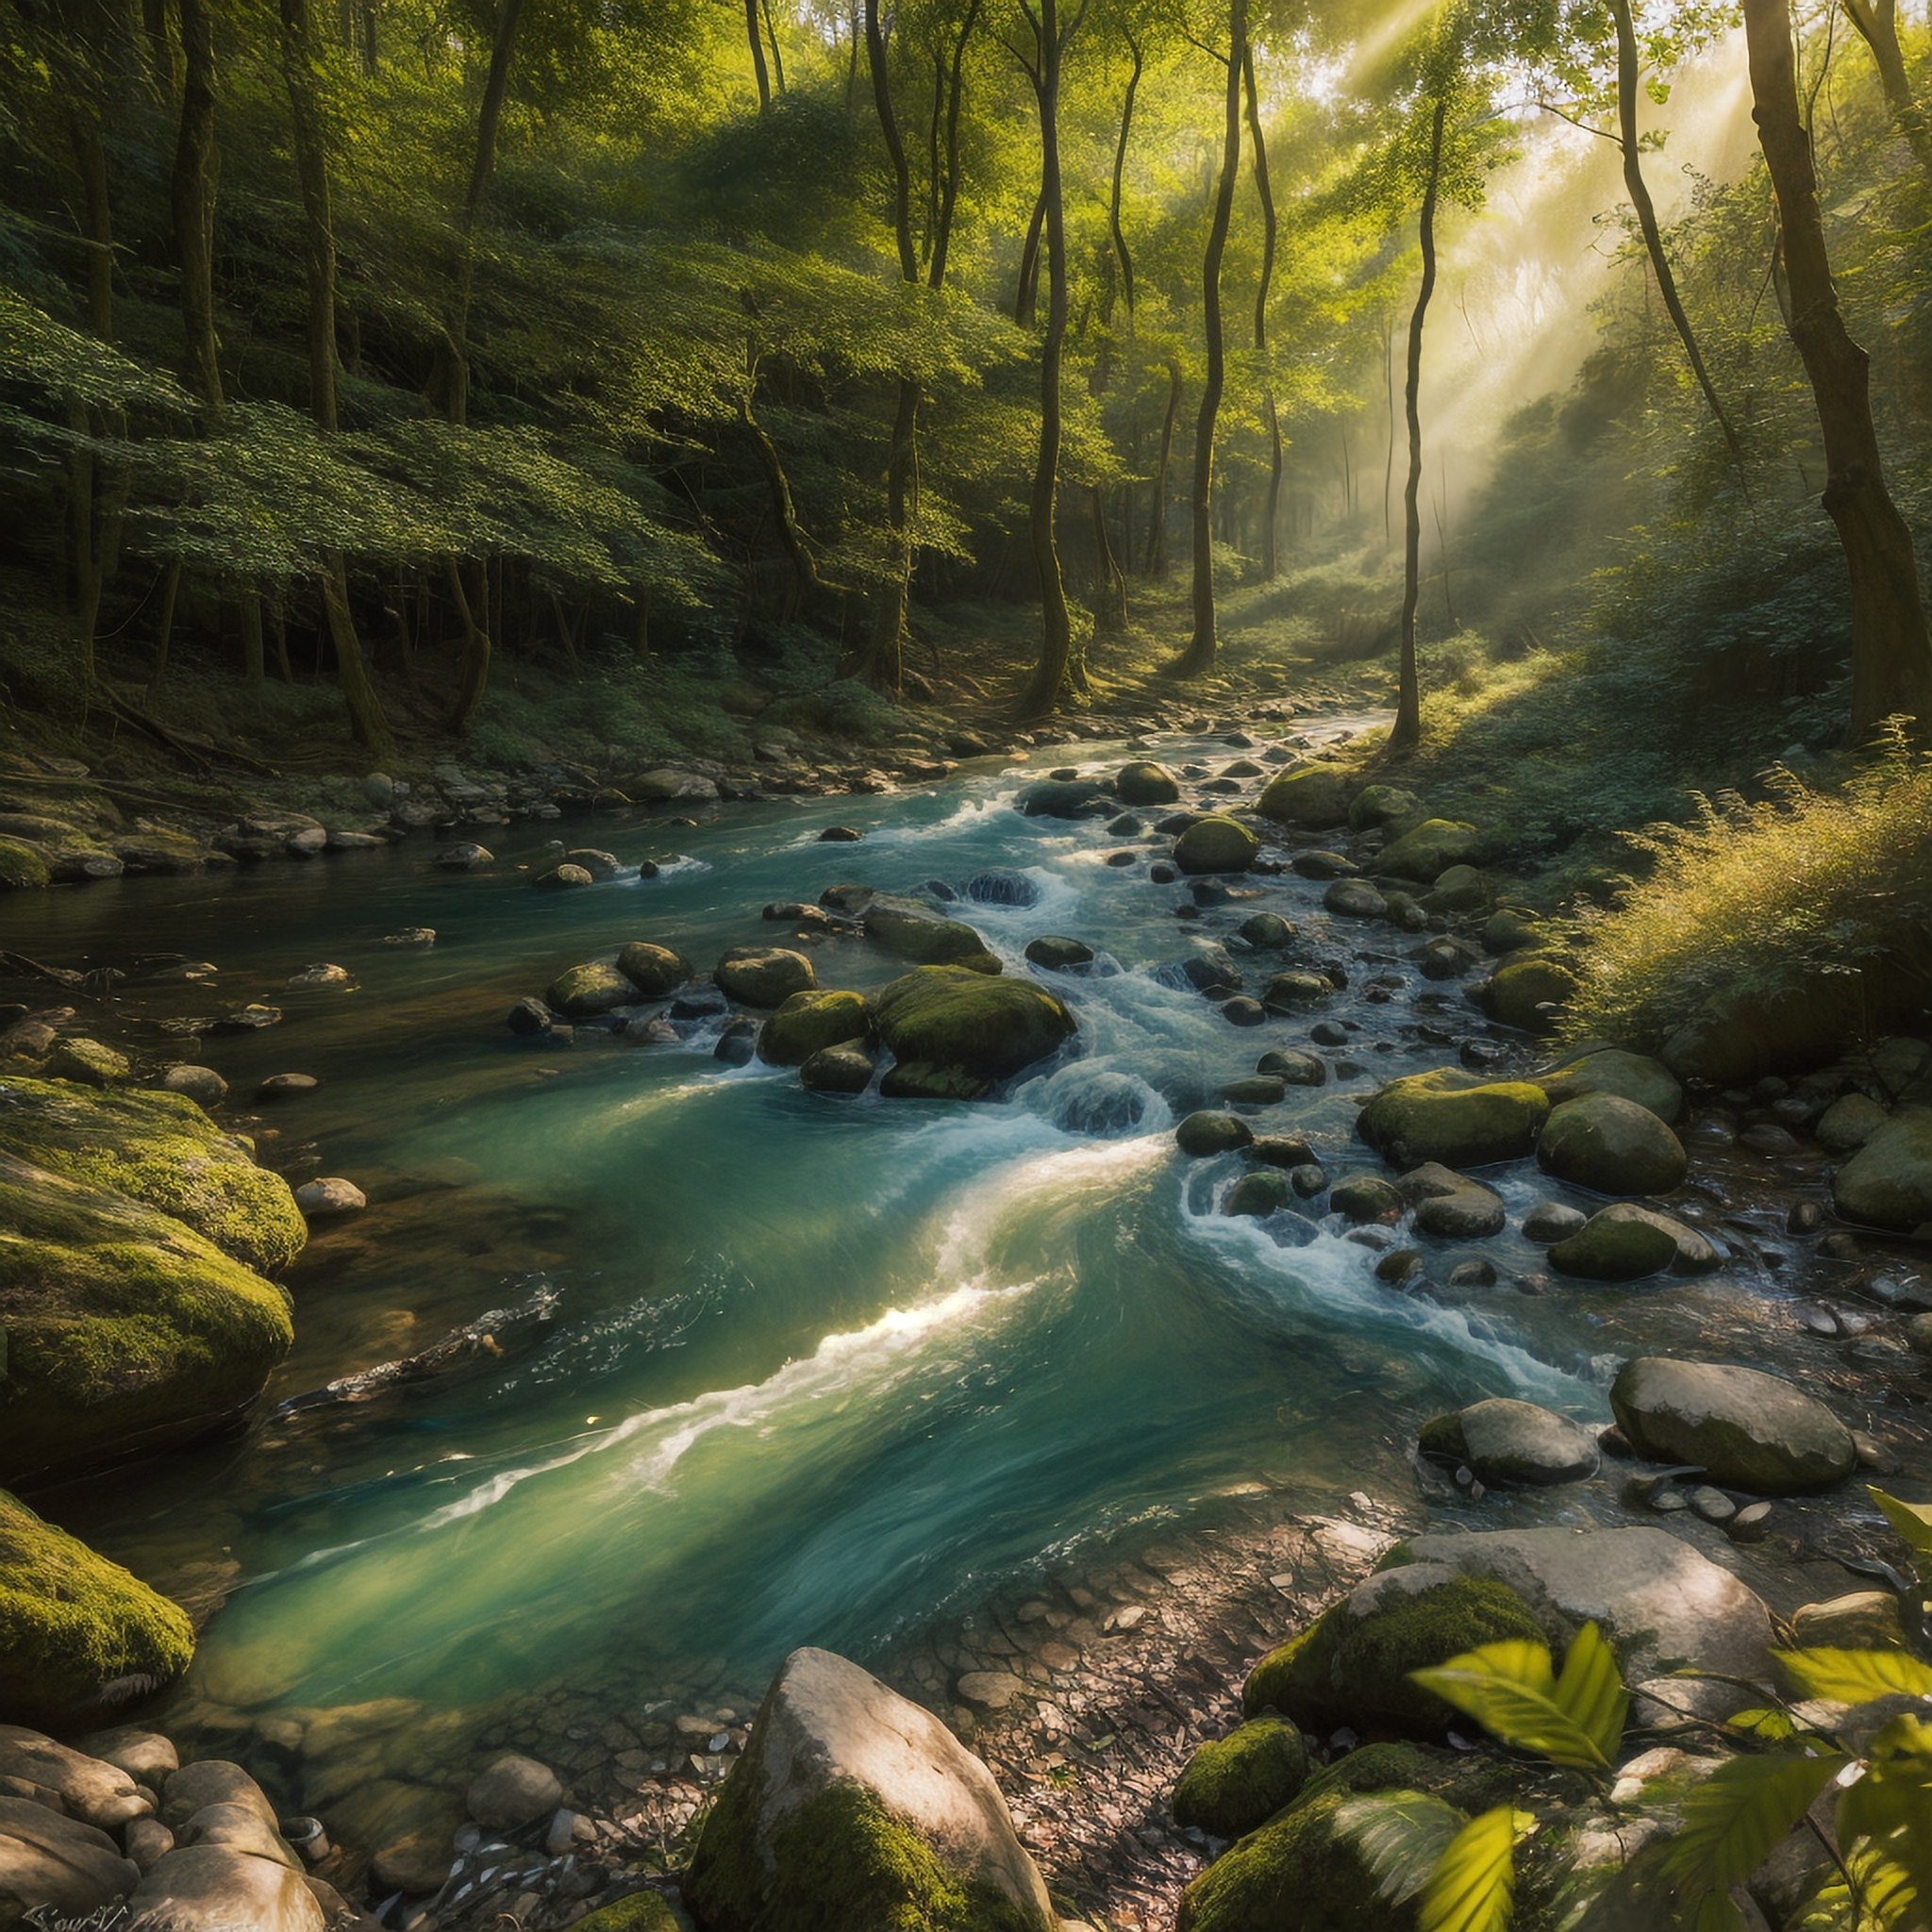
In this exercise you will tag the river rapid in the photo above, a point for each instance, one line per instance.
(821, 1370)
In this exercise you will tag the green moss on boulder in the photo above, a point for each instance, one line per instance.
(1147, 783)
(1427, 851)
(654, 970)
(642, 1912)
(810, 1021)
(1243, 1781)
(1613, 1145)
(910, 930)
(1384, 804)
(1519, 989)
(72, 1624)
(1888, 1182)
(1315, 798)
(23, 867)
(580, 992)
(1601, 1068)
(159, 1149)
(1351, 1666)
(988, 1028)
(1215, 844)
(1454, 1118)
(1625, 1243)
(1745, 1429)
(1299, 1873)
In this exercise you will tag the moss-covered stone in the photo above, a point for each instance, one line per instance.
(1351, 1666)
(808, 1022)
(1889, 1180)
(642, 1911)
(654, 970)
(1428, 850)
(1454, 1118)
(1384, 804)
(1746, 1430)
(921, 1080)
(72, 1624)
(87, 1063)
(1521, 989)
(910, 930)
(1299, 1873)
(1625, 1243)
(1612, 1145)
(125, 1329)
(1215, 844)
(1470, 1780)
(1261, 1192)
(1633, 1076)
(162, 1150)
(23, 868)
(985, 1027)
(582, 992)
(1145, 783)
(840, 1861)
(1243, 1781)
(1315, 798)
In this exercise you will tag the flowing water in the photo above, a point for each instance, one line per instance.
(820, 1368)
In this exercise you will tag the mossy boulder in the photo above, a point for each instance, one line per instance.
(78, 1633)
(1258, 1194)
(1601, 1068)
(581, 992)
(87, 1063)
(1384, 804)
(1454, 1118)
(1606, 1142)
(1147, 783)
(921, 1080)
(764, 975)
(1888, 1182)
(641, 1911)
(1351, 1666)
(1299, 1873)
(1627, 1243)
(126, 1330)
(1509, 929)
(985, 1027)
(1210, 1132)
(23, 866)
(1215, 844)
(1745, 1429)
(837, 1070)
(853, 1808)
(1735, 1038)
(909, 930)
(161, 1149)
(1459, 888)
(808, 1022)
(654, 970)
(1314, 797)
(1240, 1781)
(1517, 993)
(1450, 1204)
(1427, 851)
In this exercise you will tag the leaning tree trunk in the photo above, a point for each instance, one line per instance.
(754, 33)
(1891, 658)
(1407, 731)
(1058, 668)
(1639, 191)
(949, 195)
(1120, 169)
(1198, 658)
(1271, 420)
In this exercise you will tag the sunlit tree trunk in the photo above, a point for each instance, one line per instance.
(1877, 24)
(1407, 731)
(1198, 658)
(1639, 191)
(754, 31)
(1891, 659)
(1120, 169)
(1270, 420)
(482, 165)
(1026, 295)
(1156, 522)
(948, 193)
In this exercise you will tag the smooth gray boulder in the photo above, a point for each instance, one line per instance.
(97, 1793)
(1612, 1145)
(213, 1889)
(1503, 1441)
(513, 1791)
(1451, 1205)
(838, 1768)
(1746, 1430)
(762, 975)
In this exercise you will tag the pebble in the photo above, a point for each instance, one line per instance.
(1713, 1504)
(1752, 1523)
(202, 1085)
(332, 1195)
(286, 1086)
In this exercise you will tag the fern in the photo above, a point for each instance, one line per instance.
(1402, 1837)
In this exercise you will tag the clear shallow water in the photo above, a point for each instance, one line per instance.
(823, 1367)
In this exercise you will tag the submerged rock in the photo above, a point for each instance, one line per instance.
(853, 1807)
(513, 1791)
(1002, 885)
(1747, 1430)
(1147, 783)
(1056, 954)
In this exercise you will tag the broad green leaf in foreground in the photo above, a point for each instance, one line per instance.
(1402, 1837)
(1510, 1691)
(1473, 1888)
(1856, 1676)
(1912, 1521)
(1885, 1823)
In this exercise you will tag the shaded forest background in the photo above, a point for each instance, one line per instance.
(586, 381)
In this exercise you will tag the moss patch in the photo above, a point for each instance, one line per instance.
(948, 1017)
(642, 1912)
(840, 1863)
(71, 1624)
(1240, 1781)
(159, 1149)
(1296, 1874)
(1447, 1116)
(21, 868)
(810, 1021)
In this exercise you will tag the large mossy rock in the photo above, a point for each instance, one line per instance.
(1454, 1118)
(1506, 1442)
(1427, 851)
(1351, 1666)
(1147, 783)
(78, 1633)
(909, 930)
(581, 992)
(950, 1017)
(1606, 1142)
(1215, 844)
(1517, 993)
(1384, 804)
(654, 970)
(808, 1023)
(1888, 1182)
(1067, 798)
(764, 975)
(162, 1150)
(854, 1809)
(125, 1329)
(1745, 1429)
(1315, 798)
(23, 866)
(1634, 1077)
(1627, 1243)
(1299, 1873)
(1240, 1781)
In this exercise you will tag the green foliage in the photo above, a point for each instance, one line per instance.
(1573, 1720)
(1731, 1823)
(1856, 1676)
(1473, 1888)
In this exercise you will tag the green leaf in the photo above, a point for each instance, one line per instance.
(1508, 1689)
(1765, 1721)
(1732, 1822)
(1402, 1837)
(1474, 1886)
(1885, 1823)
(1912, 1521)
(1856, 1676)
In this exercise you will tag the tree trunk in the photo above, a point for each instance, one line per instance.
(754, 33)
(1639, 191)
(483, 164)
(1027, 297)
(1407, 731)
(192, 196)
(1389, 455)
(318, 233)
(1891, 658)
(1270, 420)
(1156, 524)
(165, 633)
(1057, 669)
(97, 493)
(1877, 24)
(365, 712)
(777, 52)
(254, 669)
(1198, 659)
(1120, 169)
(949, 193)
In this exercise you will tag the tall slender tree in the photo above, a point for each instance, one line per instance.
(1271, 420)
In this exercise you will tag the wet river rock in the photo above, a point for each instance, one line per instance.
(985, 1027)
(1746, 1430)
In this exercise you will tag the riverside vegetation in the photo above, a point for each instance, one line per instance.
(1273, 1282)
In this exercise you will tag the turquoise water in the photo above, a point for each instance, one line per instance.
(822, 1368)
